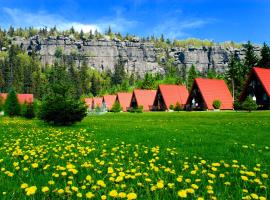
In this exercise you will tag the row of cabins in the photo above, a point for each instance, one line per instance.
(201, 97)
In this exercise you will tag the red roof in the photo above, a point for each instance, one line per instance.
(264, 76)
(22, 98)
(109, 101)
(88, 102)
(97, 101)
(215, 89)
(173, 93)
(145, 98)
(124, 99)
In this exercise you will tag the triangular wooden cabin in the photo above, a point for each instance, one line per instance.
(168, 95)
(108, 101)
(258, 87)
(143, 98)
(22, 98)
(124, 98)
(205, 91)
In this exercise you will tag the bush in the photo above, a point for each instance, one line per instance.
(171, 107)
(28, 110)
(12, 106)
(178, 107)
(1, 104)
(138, 109)
(217, 104)
(62, 111)
(249, 104)
(237, 105)
(116, 107)
(98, 109)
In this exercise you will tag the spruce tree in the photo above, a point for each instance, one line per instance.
(250, 59)
(12, 106)
(192, 74)
(59, 106)
(265, 56)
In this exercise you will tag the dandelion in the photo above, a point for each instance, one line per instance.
(113, 193)
(89, 195)
(24, 185)
(31, 190)
(182, 193)
(45, 189)
(34, 165)
(131, 196)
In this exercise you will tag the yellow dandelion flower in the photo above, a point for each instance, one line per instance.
(34, 165)
(24, 185)
(103, 197)
(79, 195)
(122, 195)
(60, 191)
(182, 193)
(254, 196)
(31, 190)
(89, 195)
(113, 193)
(131, 196)
(45, 189)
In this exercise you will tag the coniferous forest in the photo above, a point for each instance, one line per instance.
(23, 71)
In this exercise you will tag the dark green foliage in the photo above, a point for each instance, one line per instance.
(116, 107)
(138, 109)
(171, 107)
(249, 104)
(28, 110)
(12, 106)
(250, 59)
(237, 105)
(148, 82)
(119, 74)
(59, 106)
(265, 57)
(178, 107)
(235, 75)
(1, 104)
(216, 104)
(192, 74)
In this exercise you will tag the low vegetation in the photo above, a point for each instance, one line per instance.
(147, 156)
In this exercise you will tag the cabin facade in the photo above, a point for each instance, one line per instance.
(258, 87)
(22, 98)
(108, 101)
(168, 95)
(143, 98)
(124, 99)
(205, 91)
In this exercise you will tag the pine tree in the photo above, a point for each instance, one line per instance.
(250, 59)
(119, 74)
(12, 106)
(192, 74)
(59, 106)
(265, 56)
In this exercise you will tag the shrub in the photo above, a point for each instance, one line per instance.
(138, 109)
(216, 104)
(1, 104)
(62, 111)
(171, 107)
(237, 105)
(28, 110)
(116, 107)
(59, 106)
(178, 107)
(249, 104)
(12, 106)
(98, 109)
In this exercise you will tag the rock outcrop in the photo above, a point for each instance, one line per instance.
(140, 57)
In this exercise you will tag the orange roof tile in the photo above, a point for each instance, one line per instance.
(97, 101)
(88, 102)
(22, 98)
(215, 89)
(173, 93)
(124, 99)
(264, 76)
(109, 101)
(144, 98)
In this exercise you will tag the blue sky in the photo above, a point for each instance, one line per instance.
(218, 20)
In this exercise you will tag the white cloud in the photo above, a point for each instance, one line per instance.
(176, 28)
(19, 18)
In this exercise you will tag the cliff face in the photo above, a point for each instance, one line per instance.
(139, 57)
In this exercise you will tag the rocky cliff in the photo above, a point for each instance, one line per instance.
(140, 57)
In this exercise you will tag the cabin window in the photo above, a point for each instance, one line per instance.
(264, 96)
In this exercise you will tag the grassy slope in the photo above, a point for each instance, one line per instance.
(208, 134)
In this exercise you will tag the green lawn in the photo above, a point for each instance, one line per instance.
(213, 135)
(224, 155)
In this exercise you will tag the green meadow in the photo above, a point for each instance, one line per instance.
(159, 155)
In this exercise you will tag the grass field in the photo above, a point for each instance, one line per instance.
(195, 155)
